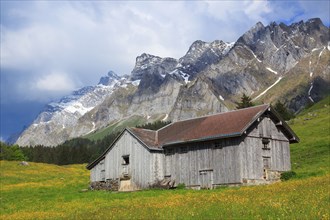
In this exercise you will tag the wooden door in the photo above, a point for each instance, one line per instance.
(266, 166)
(206, 179)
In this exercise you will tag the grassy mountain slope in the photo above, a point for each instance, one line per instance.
(121, 125)
(43, 191)
(312, 155)
(116, 127)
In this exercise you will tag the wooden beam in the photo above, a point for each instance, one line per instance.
(279, 123)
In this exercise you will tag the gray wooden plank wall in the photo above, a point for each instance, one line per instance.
(186, 167)
(141, 166)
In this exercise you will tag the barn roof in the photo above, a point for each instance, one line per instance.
(218, 126)
(148, 137)
(222, 125)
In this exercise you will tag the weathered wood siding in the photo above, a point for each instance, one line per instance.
(229, 161)
(144, 166)
(253, 151)
(97, 172)
(193, 164)
(200, 164)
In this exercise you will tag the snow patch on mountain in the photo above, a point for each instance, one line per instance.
(166, 116)
(255, 56)
(136, 82)
(309, 92)
(264, 92)
(184, 75)
(322, 52)
(273, 71)
(77, 107)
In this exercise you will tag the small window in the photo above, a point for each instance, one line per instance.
(265, 142)
(266, 162)
(125, 159)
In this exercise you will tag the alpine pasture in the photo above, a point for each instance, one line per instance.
(45, 191)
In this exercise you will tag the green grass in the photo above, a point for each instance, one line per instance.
(311, 156)
(43, 191)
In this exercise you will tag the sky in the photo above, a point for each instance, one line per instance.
(50, 48)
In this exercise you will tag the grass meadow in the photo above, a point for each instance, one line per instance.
(44, 191)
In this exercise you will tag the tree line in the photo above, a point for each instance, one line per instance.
(74, 151)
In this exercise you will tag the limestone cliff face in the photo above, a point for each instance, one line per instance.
(264, 58)
(269, 63)
(196, 99)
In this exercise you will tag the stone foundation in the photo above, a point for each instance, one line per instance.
(270, 177)
(111, 185)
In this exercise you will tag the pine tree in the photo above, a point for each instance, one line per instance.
(11, 152)
(245, 102)
(280, 108)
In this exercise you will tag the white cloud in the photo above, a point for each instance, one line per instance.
(86, 39)
(54, 82)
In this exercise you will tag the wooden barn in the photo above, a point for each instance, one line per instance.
(247, 146)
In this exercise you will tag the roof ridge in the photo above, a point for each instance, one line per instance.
(141, 129)
(206, 116)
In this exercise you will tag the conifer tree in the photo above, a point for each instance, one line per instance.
(283, 111)
(245, 102)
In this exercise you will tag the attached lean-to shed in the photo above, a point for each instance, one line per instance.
(247, 146)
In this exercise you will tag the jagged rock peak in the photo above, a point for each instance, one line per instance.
(198, 44)
(143, 58)
(198, 48)
(259, 24)
(314, 20)
(112, 74)
(152, 65)
(111, 77)
(252, 35)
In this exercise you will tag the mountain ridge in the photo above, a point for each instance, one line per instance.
(208, 79)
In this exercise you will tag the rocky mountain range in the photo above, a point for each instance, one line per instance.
(282, 62)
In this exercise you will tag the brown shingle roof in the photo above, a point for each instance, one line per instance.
(223, 125)
(226, 124)
(146, 136)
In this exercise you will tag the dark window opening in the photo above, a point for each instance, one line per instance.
(265, 142)
(217, 145)
(126, 160)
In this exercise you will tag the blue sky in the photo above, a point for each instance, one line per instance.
(49, 48)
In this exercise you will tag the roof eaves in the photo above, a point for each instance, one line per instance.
(255, 118)
(208, 138)
(287, 127)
